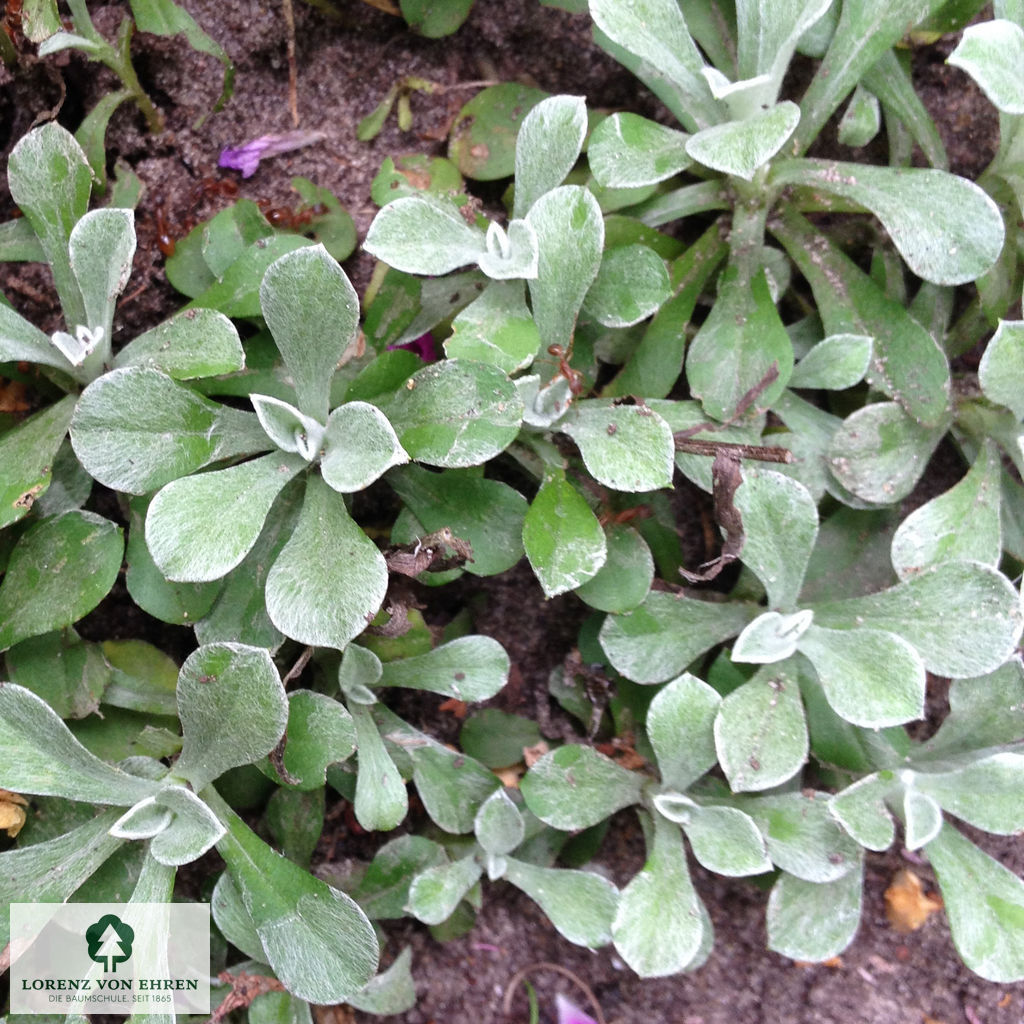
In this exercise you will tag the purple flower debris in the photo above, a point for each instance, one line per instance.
(423, 346)
(246, 158)
(569, 1013)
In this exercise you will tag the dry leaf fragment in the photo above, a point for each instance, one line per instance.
(531, 755)
(459, 708)
(907, 906)
(510, 776)
(12, 812)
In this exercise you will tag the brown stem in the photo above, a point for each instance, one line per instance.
(762, 453)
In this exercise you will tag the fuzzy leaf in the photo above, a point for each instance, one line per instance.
(836, 363)
(101, 248)
(193, 831)
(549, 143)
(42, 758)
(814, 921)
(195, 343)
(575, 787)
(381, 799)
(862, 119)
(1001, 371)
(680, 726)
(985, 906)
(570, 237)
(436, 892)
(946, 228)
(424, 234)
(659, 639)
(580, 905)
(289, 429)
(135, 429)
(727, 841)
(470, 668)
(320, 733)
(861, 810)
(960, 525)
(871, 677)
(879, 452)
(302, 292)
(50, 180)
(456, 413)
(780, 521)
(655, 33)
(27, 452)
(562, 537)
(629, 151)
(630, 286)
(625, 447)
(359, 446)
(985, 793)
(499, 826)
(232, 707)
(326, 602)
(487, 513)
(200, 527)
(659, 927)
(737, 345)
(60, 569)
(624, 581)
(497, 328)
(318, 942)
(739, 148)
(963, 618)
(992, 53)
(760, 731)
(983, 712)
(771, 637)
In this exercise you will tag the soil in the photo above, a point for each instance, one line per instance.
(345, 65)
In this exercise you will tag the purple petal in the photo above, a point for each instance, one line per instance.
(423, 346)
(246, 158)
(568, 1013)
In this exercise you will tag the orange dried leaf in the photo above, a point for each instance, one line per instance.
(907, 905)
(12, 812)
(510, 776)
(459, 708)
(531, 755)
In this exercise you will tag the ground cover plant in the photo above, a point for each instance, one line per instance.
(545, 402)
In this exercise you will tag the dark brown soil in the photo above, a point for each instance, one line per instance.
(344, 68)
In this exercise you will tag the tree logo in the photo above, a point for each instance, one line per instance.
(110, 942)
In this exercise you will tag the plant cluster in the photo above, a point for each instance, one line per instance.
(793, 348)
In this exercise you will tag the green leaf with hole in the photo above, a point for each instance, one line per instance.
(326, 602)
(232, 707)
(659, 927)
(562, 537)
(761, 731)
(456, 413)
(963, 618)
(59, 570)
(984, 902)
(200, 527)
(575, 787)
(570, 236)
(658, 640)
